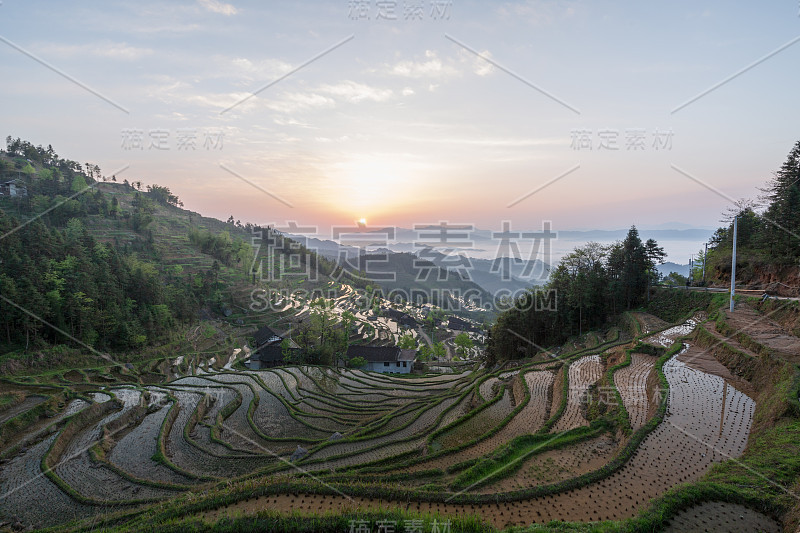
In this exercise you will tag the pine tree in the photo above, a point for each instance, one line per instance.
(782, 217)
(634, 268)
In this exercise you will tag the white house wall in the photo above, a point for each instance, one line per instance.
(391, 369)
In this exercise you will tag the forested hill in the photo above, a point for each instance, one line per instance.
(588, 287)
(768, 239)
(93, 262)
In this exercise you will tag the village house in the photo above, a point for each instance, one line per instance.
(404, 319)
(268, 351)
(459, 324)
(384, 359)
(13, 188)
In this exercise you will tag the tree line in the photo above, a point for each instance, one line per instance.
(89, 290)
(768, 232)
(585, 290)
(107, 295)
(61, 285)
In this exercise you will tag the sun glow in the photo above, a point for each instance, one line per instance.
(366, 181)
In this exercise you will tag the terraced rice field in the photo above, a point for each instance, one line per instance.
(473, 426)
(201, 432)
(540, 384)
(693, 436)
(28, 403)
(22, 482)
(557, 465)
(668, 336)
(134, 451)
(720, 517)
(583, 373)
(489, 388)
(631, 381)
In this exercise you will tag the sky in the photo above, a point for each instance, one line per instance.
(594, 114)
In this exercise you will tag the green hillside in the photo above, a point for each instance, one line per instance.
(90, 266)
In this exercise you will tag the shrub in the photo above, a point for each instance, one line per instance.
(357, 362)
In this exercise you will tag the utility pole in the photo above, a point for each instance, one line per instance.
(733, 262)
(705, 258)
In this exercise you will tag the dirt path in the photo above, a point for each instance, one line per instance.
(764, 331)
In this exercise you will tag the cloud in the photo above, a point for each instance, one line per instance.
(165, 27)
(245, 70)
(341, 139)
(292, 122)
(110, 50)
(480, 66)
(122, 51)
(294, 102)
(357, 92)
(408, 91)
(430, 67)
(172, 116)
(215, 6)
(326, 97)
(271, 66)
(218, 100)
(175, 91)
(434, 67)
(490, 142)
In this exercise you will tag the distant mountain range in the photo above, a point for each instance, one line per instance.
(495, 275)
(492, 276)
(700, 235)
(669, 266)
(674, 225)
(465, 239)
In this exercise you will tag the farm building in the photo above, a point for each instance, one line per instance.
(265, 336)
(459, 324)
(385, 359)
(404, 319)
(13, 188)
(268, 351)
(267, 356)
